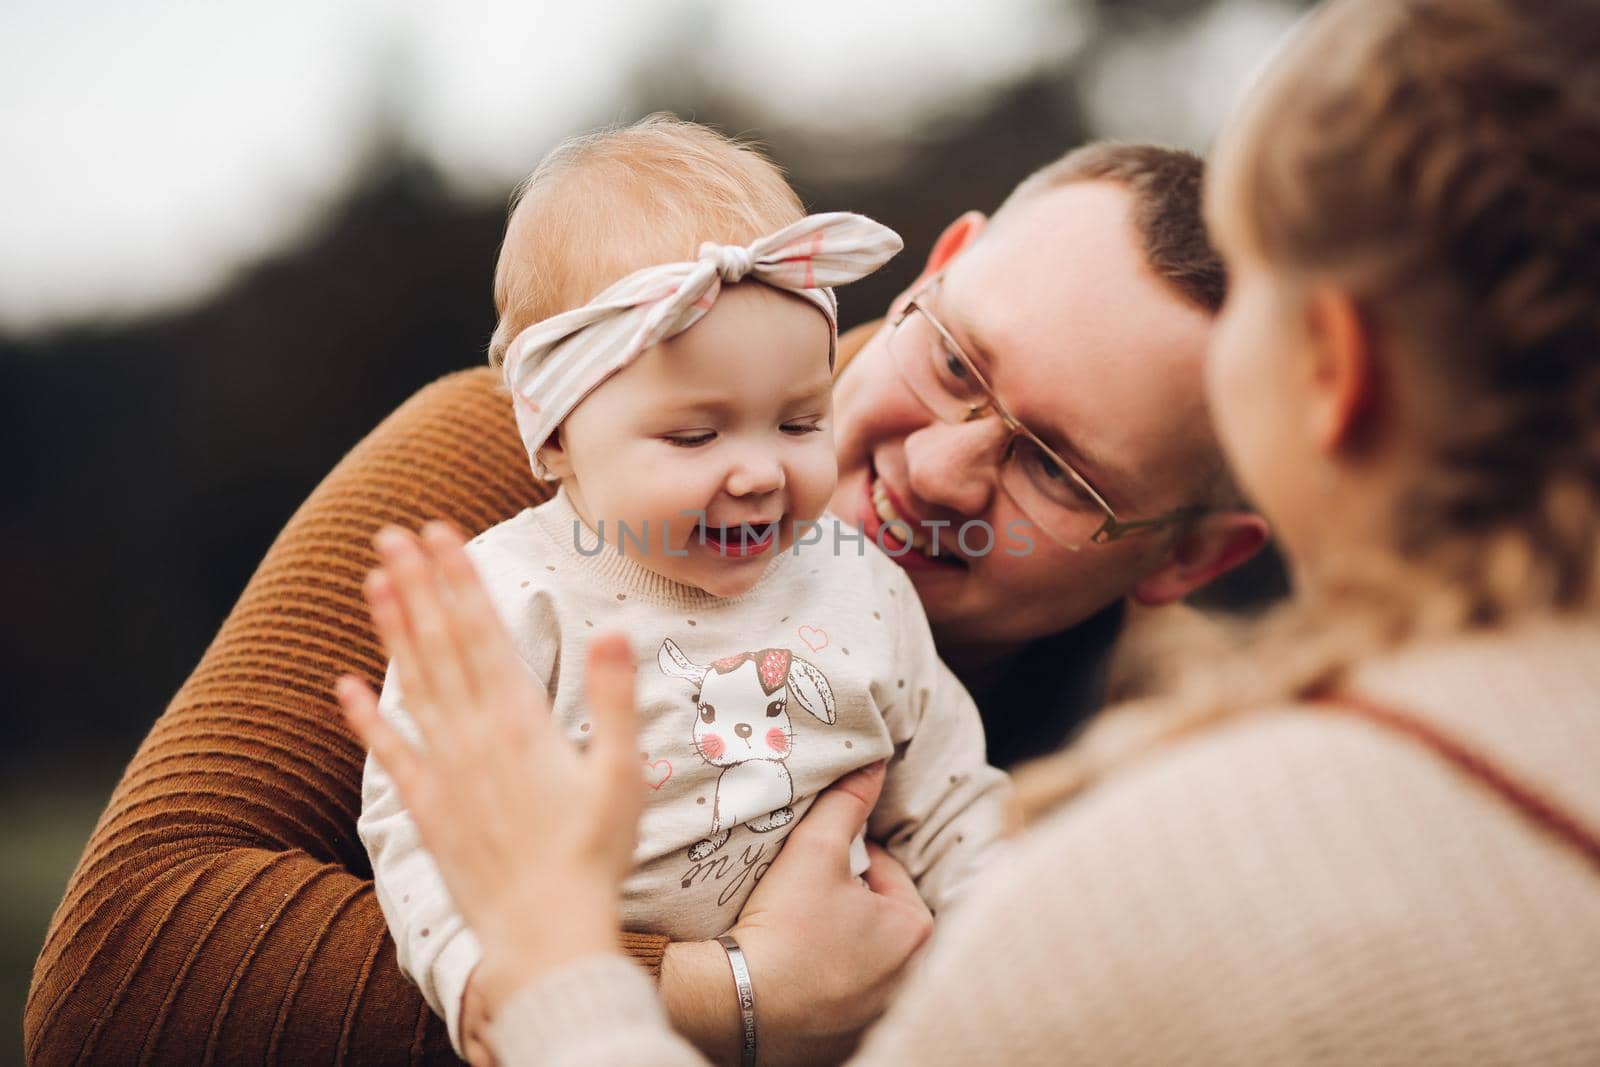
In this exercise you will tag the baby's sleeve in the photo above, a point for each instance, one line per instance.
(433, 945)
(944, 810)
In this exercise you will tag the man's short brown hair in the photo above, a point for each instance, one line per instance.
(1166, 188)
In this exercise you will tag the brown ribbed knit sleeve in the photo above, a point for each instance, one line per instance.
(223, 909)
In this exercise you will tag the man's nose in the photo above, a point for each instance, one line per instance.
(742, 729)
(957, 465)
(756, 474)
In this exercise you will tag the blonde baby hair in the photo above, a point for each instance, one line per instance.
(604, 204)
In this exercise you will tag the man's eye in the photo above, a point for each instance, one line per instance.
(691, 440)
(1047, 469)
(952, 372)
(1052, 479)
(948, 364)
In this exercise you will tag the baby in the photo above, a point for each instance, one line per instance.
(685, 411)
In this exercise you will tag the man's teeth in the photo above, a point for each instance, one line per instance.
(901, 526)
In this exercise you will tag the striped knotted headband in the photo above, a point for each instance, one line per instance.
(553, 364)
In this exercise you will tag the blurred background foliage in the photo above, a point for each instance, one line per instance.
(161, 422)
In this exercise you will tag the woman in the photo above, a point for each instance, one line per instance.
(1374, 838)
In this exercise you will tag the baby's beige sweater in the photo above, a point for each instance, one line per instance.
(749, 706)
(1295, 886)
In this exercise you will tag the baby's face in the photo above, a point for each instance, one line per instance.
(732, 418)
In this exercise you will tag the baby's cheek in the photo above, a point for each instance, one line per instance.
(777, 740)
(711, 747)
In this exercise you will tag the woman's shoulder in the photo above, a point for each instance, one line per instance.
(1218, 771)
(1522, 696)
(1520, 699)
(1320, 816)
(1265, 870)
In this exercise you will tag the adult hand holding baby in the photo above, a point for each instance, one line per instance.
(826, 952)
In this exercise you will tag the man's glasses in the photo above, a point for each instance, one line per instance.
(1047, 489)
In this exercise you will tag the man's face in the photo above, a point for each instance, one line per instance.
(1089, 349)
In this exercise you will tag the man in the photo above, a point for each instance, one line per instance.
(1085, 303)
(223, 905)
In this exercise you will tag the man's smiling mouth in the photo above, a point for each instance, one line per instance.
(894, 528)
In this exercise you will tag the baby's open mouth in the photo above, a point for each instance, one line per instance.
(739, 539)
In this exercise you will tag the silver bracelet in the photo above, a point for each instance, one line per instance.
(747, 999)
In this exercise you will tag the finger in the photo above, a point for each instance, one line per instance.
(495, 667)
(417, 590)
(887, 877)
(609, 691)
(398, 759)
(416, 692)
(840, 813)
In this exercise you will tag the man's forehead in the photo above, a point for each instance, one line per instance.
(1057, 252)
(1066, 270)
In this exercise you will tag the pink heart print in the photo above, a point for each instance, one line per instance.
(657, 774)
(815, 637)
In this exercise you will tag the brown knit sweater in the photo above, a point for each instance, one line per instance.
(223, 908)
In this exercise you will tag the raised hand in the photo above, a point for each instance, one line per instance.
(532, 836)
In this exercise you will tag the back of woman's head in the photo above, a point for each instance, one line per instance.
(1439, 160)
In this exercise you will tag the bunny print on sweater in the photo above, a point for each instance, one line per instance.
(742, 726)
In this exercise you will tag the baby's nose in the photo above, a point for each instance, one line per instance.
(742, 729)
(756, 473)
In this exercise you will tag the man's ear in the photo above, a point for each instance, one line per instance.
(1217, 544)
(1344, 381)
(553, 454)
(955, 239)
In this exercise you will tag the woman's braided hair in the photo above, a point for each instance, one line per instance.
(1441, 160)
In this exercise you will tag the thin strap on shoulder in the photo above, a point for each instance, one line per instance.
(1533, 805)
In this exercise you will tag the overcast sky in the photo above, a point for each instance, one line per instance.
(151, 147)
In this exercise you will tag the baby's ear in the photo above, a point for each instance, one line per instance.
(553, 454)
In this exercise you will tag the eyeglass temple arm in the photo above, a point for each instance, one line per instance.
(1114, 528)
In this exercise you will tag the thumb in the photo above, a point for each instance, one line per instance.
(609, 689)
(840, 812)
